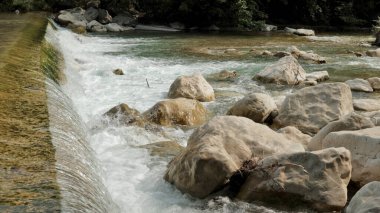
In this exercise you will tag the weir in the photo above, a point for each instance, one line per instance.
(46, 163)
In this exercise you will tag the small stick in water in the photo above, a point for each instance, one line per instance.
(147, 83)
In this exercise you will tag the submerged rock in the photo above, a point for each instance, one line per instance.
(258, 107)
(179, 111)
(307, 56)
(352, 121)
(286, 71)
(364, 146)
(118, 72)
(366, 104)
(317, 76)
(360, 85)
(124, 114)
(311, 108)
(165, 149)
(366, 200)
(318, 178)
(218, 149)
(177, 26)
(224, 75)
(193, 87)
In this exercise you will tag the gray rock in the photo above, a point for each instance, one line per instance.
(104, 17)
(217, 149)
(364, 146)
(286, 71)
(74, 17)
(366, 200)
(91, 14)
(93, 4)
(366, 104)
(352, 121)
(304, 32)
(113, 27)
(289, 30)
(360, 85)
(95, 26)
(268, 28)
(318, 179)
(311, 108)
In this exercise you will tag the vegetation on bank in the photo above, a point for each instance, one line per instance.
(227, 13)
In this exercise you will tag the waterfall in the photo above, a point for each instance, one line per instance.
(78, 172)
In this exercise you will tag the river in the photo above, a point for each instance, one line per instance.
(133, 177)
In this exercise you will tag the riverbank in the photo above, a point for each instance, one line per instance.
(28, 180)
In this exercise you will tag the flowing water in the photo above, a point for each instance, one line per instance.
(131, 175)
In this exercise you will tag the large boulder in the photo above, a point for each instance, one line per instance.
(318, 178)
(365, 150)
(73, 16)
(366, 200)
(180, 111)
(193, 87)
(218, 149)
(311, 108)
(286, 71)
(360, 85)
(366, 104)
(352, 121)
(293, 134)
(259, 107)
(375, 83)
(104, 17)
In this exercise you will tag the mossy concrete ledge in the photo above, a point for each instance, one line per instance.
(28, 181)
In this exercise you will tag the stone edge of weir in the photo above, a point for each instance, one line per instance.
(28, 176)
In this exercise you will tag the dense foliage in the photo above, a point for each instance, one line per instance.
(230, 13)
